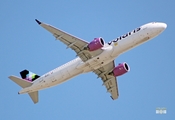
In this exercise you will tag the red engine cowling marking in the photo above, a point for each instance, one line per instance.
(96, 44)
(121, 69)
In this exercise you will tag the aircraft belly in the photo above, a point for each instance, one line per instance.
(66, 74)
(100, 60)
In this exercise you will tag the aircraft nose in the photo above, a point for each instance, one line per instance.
(158, 27)
(162, 26)
(154, 28)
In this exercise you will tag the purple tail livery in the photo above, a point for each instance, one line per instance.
(29, 76)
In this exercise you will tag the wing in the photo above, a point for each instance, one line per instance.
(108, 80)
(77, 44)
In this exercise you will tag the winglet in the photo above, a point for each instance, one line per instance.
(38, 21)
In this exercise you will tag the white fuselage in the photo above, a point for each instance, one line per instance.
(110, 51)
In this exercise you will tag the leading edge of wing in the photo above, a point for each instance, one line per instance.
(40, 23)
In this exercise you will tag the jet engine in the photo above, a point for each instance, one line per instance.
(96, 44)
(121, 69)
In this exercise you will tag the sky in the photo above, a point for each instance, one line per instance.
(25, 45)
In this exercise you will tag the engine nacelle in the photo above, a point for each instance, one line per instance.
(96, 44)
(121, 69)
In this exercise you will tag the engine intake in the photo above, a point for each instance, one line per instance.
(121, 69)
(96, 44)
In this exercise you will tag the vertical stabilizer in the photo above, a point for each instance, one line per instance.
(29, 76)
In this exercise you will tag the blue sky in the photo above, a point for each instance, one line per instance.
(26, 45)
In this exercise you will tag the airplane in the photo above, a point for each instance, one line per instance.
(96, 56)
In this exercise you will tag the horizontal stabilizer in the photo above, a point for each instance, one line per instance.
(21, 82)
(34, 96)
